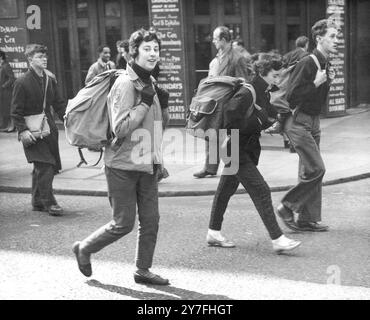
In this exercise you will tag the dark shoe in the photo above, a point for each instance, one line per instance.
(288, 217)
(85, 269)
(312, 226)
(54, 210)
(286, 144)
(203, 174)
(147, 277)
(40, 208)
(291, 149)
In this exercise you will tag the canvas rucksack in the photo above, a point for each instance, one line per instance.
(86, 119)
(207, 106)
(279, 97)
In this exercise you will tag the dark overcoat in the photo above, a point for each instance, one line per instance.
(28, 95)
(6, 86)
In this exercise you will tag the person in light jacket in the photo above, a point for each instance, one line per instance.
(131, 163)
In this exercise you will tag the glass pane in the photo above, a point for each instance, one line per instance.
(293, 34)
(267, 37)
(267, 7)
(232, 7)
(113, 34)
(203, 46)
(112, 9)
(140, 8)
(82, 9)
(236, 30)
(201, 7)
(66, 61)
(293, 8)
(84, 45)
(62, 10)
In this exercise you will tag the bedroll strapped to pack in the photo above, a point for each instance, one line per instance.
(86, 120)
(206, 109)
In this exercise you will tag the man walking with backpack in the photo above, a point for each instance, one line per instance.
(307, 93)
(228, 62)
(103, 64)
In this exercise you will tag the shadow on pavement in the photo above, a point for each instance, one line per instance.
(170, 292)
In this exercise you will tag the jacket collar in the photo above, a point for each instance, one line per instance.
(260, 83)
(323, 61)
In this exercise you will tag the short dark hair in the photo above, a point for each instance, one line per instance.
(123, 44)
(33, 48)
(225, 33)
(101, 48)
(138, 37)
(301, 41)
(265, 62)
(321, 27)
(2, 55)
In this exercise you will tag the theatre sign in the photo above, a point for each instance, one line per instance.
(337, 100)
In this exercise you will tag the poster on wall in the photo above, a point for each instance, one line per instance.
(13, 35)
(166, 19)
(336, 11)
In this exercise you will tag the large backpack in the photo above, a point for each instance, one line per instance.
(86, 119)
(206, 110)
(279, 97)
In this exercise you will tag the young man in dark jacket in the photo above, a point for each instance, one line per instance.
(307, 93)
(28, 97)
(267, 68)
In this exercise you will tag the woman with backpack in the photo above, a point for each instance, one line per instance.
(131, 164)
(267, 68)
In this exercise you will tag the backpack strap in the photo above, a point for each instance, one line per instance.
(316, 61)
(254, 104)
(83, 160)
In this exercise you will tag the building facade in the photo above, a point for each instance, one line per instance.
(73, 29)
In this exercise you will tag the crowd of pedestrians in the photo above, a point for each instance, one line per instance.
(137, 101)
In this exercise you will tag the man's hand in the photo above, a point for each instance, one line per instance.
(147, 95)
(27, 138)
(331, 73)
(321, 77)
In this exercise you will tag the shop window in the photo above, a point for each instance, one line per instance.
(82, 11)
(84, 45)
(141, 14)
(203, 50)
(232, 7)
(267, 7)
(267, 37)
(201, 7)
(293, 8)
(112, 9)
(62, 10)
(236, 30)
(293, 34)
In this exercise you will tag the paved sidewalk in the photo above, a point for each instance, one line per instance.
(345, 146)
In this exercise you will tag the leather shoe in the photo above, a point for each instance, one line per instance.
(85, 269)
(40, 208)
(147, 277)
(203, 174)
(213, 242)
(287, 216)
(284, 244)
(312, 226)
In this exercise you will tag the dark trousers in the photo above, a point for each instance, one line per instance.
(128, 189)
(42, 184)
(259, 191)
(212, 161)
(305, 198)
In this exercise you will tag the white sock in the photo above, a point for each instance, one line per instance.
(282, 238)
(216, 234)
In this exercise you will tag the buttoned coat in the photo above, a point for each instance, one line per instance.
(27, 99)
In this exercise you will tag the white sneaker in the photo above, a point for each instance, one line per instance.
(283, 244)
(215, 239)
